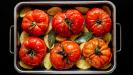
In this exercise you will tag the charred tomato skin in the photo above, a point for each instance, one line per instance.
(35, 22)
(68, 23)
(98, 21)
(32, 51)
(64, 55)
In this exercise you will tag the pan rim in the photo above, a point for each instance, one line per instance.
(67, 72)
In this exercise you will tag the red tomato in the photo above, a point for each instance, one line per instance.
(32, 51)
(98, 21)
(97, 53)
(35, 22)
(64, 55)
(69, 23)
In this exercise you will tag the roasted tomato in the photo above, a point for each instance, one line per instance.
(35, 22)
(98, 21)
(32, 51)
(97, 53)
(69, 23)
(64, 55)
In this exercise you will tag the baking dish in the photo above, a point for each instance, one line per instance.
(64, 4)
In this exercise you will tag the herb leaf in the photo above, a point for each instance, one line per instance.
(85, 37)
(51, 38)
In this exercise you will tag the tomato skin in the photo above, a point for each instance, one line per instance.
(64, 54)
(68, 23)
(35, 22)
(98, 21)
(97, 53)
(72, 49)
(32, 51)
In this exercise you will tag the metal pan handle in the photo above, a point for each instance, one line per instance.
(12, 26)
(118, 24)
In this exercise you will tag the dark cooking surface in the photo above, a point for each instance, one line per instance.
(122, 17)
